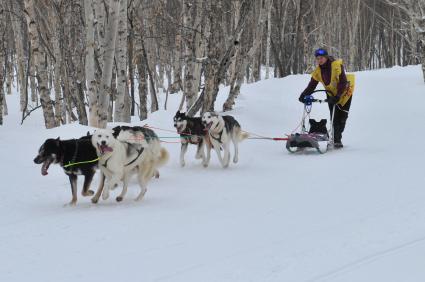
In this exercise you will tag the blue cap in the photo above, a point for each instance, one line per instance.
(320, 52)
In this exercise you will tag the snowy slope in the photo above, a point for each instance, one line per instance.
(351, 215)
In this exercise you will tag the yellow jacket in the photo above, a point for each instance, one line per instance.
(332, 86)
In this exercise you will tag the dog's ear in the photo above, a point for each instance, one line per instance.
(178, 112)
(88, 133)
(312, 121)
(57, 141)
(323, 121)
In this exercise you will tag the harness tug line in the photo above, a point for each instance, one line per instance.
(188, 135)
(252, 136)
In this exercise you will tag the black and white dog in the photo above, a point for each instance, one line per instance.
(221, 131)
(124, 151)
(75, 156)
(191, 131)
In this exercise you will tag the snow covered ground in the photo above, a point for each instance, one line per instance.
(352, 215)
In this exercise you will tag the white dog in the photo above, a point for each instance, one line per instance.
(221, 131)
(126, 150)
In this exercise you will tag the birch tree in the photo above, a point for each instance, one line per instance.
(39, 64)
(90, 64)
(122, 109)
(108, 60)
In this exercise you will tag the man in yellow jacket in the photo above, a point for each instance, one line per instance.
(331, 74)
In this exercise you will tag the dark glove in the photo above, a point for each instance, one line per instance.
(301, 98)
(332, 100)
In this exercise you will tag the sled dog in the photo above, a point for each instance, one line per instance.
(124, 151)
(192, 131)
(221, 131)
(75, 156)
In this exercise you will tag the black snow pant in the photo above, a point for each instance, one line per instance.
(341, 115)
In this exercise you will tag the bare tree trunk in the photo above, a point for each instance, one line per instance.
(194, 50)
(90, 65)
(2, 96)
(109, 47)
(143, 87)
(57, 80)
(39, 64)
(20, 59)
(269, 31)
(121, 112)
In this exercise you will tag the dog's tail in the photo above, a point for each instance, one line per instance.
(243, 135)
(163, 157)
(150, 167)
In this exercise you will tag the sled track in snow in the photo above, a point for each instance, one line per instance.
(365, 260)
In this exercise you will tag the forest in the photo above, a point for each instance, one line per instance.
(97, 61)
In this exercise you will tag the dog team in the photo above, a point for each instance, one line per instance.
(124, 151)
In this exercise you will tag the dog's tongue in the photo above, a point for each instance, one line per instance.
(44, 168)
(105, 148)
(208, 127)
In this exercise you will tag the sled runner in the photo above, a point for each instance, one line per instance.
(318, 136)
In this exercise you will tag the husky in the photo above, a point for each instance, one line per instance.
(124, 151)
(75, 156)
(221, 131)
(192, 131)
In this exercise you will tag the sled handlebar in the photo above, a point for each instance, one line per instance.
(322, 90)
(309, 99)
(319, 100)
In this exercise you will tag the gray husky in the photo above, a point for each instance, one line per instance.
(221, 131)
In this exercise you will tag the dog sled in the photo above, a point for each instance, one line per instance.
(318, 136)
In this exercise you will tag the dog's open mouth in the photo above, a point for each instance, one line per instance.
(180, 129)
(104, 148)
(208, 126)
(45, 167)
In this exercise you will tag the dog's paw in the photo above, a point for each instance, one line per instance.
(88, 193)
(119, 199)
(141, 195)
(94, 200)
(235, 160)
(71, 204)
(105, 195)
(182, 164)
(156, 174)
(114, 187)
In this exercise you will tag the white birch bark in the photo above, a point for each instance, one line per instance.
(90, 65)
(269, 31)
(57, 81)
(108, 60)
(121, 111)
(39, 64)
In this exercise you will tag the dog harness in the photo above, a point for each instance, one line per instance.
(138, 155)
(218, 139)
(74, 158)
